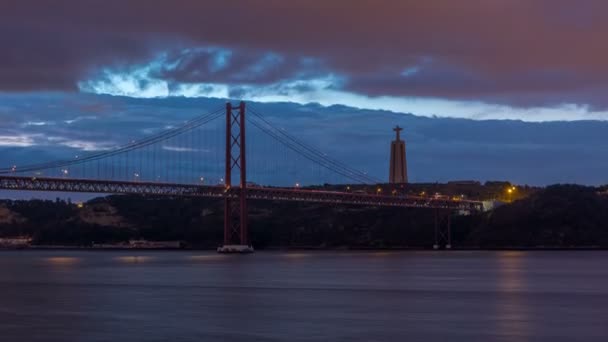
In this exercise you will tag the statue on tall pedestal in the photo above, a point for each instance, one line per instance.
(398, 166)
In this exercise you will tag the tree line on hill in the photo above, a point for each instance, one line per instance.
(557, 216)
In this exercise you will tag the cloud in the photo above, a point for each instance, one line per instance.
(206, 72)
(510, 52)
(140, 81)
(233, 66)
(38, 123)
(182, 149)
(82, 145)
(16, 140)
(143, 81)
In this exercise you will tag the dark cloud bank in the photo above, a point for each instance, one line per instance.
(518, 52)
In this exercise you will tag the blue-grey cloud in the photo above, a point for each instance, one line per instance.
(235, 66)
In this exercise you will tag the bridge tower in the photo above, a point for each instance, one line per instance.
(236, 238)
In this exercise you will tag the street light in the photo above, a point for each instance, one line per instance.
(510, 192)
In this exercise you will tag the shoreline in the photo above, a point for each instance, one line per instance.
(311, 249)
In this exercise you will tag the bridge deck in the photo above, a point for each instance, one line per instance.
(219, 191)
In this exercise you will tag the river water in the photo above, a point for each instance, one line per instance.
(303, 296)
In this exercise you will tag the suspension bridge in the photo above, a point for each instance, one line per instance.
(232, 153)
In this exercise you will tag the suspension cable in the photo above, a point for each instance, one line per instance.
(316, 152)
(146, 141)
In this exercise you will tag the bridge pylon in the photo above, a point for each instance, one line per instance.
(443, 228)
(236, 236)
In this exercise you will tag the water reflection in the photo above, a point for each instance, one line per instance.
(133, 259)
(62, 261)
(382, 254)
(207, 257)
(511, 277)
(295, 255)
(274, 296)
(513, 310)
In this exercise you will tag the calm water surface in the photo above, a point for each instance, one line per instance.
(303, 296)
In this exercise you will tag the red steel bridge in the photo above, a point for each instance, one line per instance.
(202, 157)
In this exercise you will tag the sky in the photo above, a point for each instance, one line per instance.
(519, 59)
(53, 126)
(539, 63)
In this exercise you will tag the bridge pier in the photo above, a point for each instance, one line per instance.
(236, 238)
(443, 228)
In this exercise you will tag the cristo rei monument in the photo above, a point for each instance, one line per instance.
(398, 167)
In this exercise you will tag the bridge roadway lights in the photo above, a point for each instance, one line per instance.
(235, 249)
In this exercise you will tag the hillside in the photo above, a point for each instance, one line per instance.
(557, 216)
(560, 215)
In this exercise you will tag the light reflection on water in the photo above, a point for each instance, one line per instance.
(205, 257)
(512, 307)
(133, 259)
(510, 271)
(294, 255)
(62, 261)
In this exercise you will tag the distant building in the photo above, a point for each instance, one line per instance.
(491, 205)
(15, 242)
(398, 166)
(154, 244)
(464, 182)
